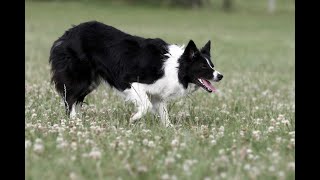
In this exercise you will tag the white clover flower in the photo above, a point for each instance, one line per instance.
(121, 144)
(173, 177)
(85, 155)
(292, 133)
(204, 127)
(221, 151)
(79, 133)
(73, 158)
(186, 169)
(250, 156)
(165, 177)
(142, 169)
(285, 121)
(27, 144)
(207, 178)
(38, 141)
(278, 139)
(62, 145)
(73, 176)
(280, 117)
(178, 156)
(256, 134)
(270, 129)
(38, 148)
(74, 146)
(88, 141)
(247, 167)
(291, 166)
(169, 160)
(128, 133)
(113, 145)
(272, 169)
(223, 175)
(145, 142)
(130, 142)
(221, 129)
(151, 144)
(34, 115)
(61, 130)
(213, 130)
(175, 143)
(292, 141)
(213, 142)
(157, 138)
(59, 139)
(95, 153)
(273, 121)
(241, 133)
(257, 121)
(281, 174)
(275, 154)
(220, 134)
(146, 131)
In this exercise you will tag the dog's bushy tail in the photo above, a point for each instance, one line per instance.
(71, 74)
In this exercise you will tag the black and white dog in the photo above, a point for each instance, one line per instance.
(147, 72)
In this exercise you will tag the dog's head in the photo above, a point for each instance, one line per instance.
(198, 67)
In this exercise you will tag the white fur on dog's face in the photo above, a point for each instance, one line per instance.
(215, 76)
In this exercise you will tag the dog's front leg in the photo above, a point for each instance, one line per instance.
(143, 108)
(139, 97)
(160, 107)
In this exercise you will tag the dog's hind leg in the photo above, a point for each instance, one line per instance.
(160, 108)
(139, 97)
(74, 111)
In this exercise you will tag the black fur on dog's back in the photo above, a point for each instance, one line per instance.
(92, 52)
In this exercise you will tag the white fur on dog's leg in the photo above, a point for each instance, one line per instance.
(135, 117)
(142, 110)
(139, 97)
(161, 108)
(73, 113)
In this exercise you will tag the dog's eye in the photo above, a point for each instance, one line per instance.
(204, 66)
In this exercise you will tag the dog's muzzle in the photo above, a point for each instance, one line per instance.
(217, 76)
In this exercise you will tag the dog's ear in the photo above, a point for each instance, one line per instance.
(191, 50)
(206, 48)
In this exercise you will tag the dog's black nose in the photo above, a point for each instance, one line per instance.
(220, 76)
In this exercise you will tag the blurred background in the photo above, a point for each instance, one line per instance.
(241, 31)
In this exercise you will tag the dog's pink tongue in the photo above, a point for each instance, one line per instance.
(208, 85)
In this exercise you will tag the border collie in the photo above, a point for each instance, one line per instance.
(147, 72)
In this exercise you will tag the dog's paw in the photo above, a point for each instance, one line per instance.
(169, 125)
(73, 116)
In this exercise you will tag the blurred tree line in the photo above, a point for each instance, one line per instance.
(226, 5)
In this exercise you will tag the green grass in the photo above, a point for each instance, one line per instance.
(226, 135)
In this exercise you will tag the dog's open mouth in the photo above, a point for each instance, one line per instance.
(205, 84)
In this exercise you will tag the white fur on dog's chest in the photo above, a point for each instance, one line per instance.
(162, 88)
(168, 86)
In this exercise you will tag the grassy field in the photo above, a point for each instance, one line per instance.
(244, 131)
